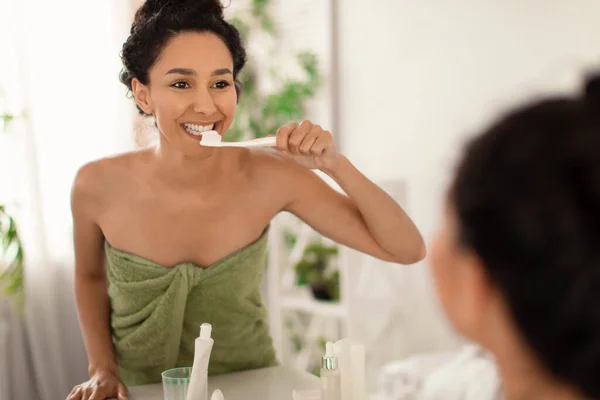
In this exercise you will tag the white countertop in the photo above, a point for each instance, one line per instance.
(276, 383)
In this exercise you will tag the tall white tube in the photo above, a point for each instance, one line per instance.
(198, 389)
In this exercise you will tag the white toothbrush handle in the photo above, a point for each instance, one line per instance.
(269, 141)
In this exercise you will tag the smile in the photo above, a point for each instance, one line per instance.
(197, 130)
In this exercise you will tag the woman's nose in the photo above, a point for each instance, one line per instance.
(203, 103)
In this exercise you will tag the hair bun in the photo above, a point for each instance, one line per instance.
(152, 8)
(592, 92)
(214, 7)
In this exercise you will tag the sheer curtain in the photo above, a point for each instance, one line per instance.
(60, 64)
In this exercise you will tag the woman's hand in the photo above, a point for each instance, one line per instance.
(101, 385)
(308, 144)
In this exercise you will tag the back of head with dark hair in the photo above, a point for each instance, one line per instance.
(527, 197)
(157, 21)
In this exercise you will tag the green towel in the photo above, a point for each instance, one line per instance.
(156, 313)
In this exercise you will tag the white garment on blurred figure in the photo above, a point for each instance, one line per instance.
(469, 374)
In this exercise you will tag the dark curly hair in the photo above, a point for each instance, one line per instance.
(527, 197)
(157, 21)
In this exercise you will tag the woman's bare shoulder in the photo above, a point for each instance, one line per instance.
(271, 163)
(277, 172)
(97, 179)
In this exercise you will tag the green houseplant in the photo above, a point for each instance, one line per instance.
(12, 268)
(260, 114)
(11, 258)
(314, 270)
(5, 120)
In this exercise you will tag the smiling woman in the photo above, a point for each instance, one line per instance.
(191, 91)
(184, 227)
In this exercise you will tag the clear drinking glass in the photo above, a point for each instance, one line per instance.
(176, 382)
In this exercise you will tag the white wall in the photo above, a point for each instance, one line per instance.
(419, 76)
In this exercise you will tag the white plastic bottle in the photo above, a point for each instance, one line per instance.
(198, 388)
(330, 375)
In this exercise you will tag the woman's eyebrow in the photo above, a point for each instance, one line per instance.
(188, 71)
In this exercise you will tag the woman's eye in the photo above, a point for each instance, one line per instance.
(180, 85)
(221, 85)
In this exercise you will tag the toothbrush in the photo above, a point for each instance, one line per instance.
(213, 139)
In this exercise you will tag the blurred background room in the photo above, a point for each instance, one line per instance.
(400, 84)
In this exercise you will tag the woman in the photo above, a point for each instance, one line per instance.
(183, 227)
(517, 261)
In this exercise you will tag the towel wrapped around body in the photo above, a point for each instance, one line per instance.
(156, 313)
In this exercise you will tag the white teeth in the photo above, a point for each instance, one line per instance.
(198, 129)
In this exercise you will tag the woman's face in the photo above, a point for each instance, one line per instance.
(191, 89)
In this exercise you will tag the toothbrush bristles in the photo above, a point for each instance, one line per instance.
(210, 137)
